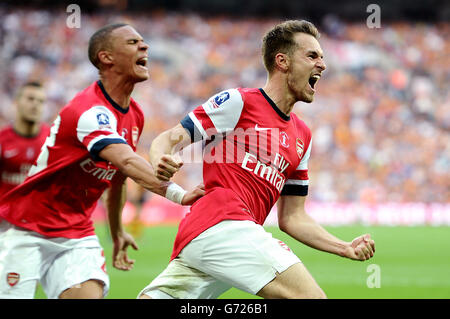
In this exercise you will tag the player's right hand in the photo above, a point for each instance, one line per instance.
(192, 196)
(167, 166)
(120, 257)
(361, 248)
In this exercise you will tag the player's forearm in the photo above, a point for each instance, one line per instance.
(306, 230)
(168, 142)
(138, 198)
(161, 145)
(141, 172)
(133, 166)
(115, 201)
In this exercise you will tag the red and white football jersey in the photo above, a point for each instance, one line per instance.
(254, 153)
(62, 189)
(17, 154)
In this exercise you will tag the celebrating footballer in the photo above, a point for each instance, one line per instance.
(221, 242)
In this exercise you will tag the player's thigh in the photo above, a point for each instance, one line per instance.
(180, 281)
(20, 262)
(239, 253)
(90, 289)
(294, 282)
(76, 270)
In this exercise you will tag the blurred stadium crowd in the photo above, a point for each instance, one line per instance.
(380, 119)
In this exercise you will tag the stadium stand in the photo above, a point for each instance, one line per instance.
(380, 119)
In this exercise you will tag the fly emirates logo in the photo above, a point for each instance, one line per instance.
(88, 165)
(271, 172)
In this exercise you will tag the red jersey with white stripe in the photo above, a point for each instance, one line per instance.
(62, 189)
(17, 154)
(254, 153)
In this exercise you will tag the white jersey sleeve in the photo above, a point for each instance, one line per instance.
(97, 128)
(219, 114)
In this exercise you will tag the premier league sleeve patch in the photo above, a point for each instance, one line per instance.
(220, 98)
(219, 114)
(97, 127)
(103, 120)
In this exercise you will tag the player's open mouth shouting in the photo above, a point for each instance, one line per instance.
(313, 79)
(142, 63)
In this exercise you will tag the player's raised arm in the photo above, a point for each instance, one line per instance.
(219, 114)
(293, 220)
(138, 169)
(163, 151)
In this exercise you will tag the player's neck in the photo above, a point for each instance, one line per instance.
(26, 128)
(280, 96)
(118, 89)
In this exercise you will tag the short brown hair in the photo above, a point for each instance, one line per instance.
(100, 40)
(35, 84)
(281, 39)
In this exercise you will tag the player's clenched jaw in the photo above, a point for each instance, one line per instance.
(129, 54)
(305, 67)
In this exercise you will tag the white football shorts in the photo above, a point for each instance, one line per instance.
(233, 253)
(27, 258)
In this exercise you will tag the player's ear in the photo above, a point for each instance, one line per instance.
(105, 57)
(282, 62)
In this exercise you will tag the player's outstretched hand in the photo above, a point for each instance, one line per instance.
(120, 256)
(191, 196)
(361, 248)
(167, 166)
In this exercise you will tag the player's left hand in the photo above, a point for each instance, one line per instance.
(191, 196)
(167, 166)
(120, 256)
(361, 248)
